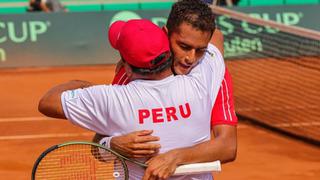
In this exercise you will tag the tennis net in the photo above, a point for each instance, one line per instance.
(276, 73)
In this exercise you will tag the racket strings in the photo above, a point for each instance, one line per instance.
(80, 162)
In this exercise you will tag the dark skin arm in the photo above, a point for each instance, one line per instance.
(136, 144)
(50, 104)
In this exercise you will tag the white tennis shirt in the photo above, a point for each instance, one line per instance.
(177, 108)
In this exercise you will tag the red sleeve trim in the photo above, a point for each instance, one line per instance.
(223, 110)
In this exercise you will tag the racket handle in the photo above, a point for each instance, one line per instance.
(198, 168)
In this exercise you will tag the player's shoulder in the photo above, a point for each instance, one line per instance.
(212, 53)
(212, 49)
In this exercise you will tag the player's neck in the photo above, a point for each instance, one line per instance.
(158, 76)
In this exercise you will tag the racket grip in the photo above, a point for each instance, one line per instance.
(198, 168)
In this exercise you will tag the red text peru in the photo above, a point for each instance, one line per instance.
(160, 115)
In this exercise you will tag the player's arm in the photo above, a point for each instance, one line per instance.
(223, 118)
(50, 104)
(134, 145)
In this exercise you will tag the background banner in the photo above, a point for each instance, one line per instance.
(59, 39)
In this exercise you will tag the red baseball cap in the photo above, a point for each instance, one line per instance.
(139, 42)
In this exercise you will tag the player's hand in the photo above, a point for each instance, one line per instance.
(161, 166)
(136, 144)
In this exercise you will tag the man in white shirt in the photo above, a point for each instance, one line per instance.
(177, 108)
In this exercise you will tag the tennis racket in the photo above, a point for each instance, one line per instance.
(87, 160)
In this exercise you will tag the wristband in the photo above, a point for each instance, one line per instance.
(106, 141)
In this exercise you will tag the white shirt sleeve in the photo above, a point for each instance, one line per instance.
(86, 107)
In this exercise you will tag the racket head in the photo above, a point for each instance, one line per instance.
(79, 160)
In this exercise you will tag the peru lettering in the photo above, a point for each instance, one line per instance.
(167, 114)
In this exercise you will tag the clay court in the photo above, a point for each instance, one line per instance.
(25, 133)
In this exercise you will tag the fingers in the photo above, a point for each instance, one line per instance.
(143, 140)
(161, 166)
(156, 173)
(136, 144)
(145, 150)
(146, 146)
(144, 136)
(148, 138)
(144, 132)
(143, 154)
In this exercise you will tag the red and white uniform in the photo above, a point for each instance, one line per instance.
(223, 111)
(176, 108)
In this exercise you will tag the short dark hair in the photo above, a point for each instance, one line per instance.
(157, 69)
(194, 12)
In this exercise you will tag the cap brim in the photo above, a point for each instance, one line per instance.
(114, 32)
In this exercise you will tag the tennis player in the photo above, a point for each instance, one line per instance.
(177, 108)
(183, 33)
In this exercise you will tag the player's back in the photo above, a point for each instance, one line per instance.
(176, 108)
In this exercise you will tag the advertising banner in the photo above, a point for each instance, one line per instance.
(60, 39)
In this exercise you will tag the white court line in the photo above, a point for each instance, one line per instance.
(298, 124)
(25, 119)
(39, 136)
(242, 126)
(61, 135)
(43, 118)
(56, 135)
(295, 107)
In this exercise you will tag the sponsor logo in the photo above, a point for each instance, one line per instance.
(25, 31)
(124, 16)
(236, 46)
(22, 32)
(241, 46)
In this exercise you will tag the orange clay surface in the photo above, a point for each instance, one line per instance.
(25, 133)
